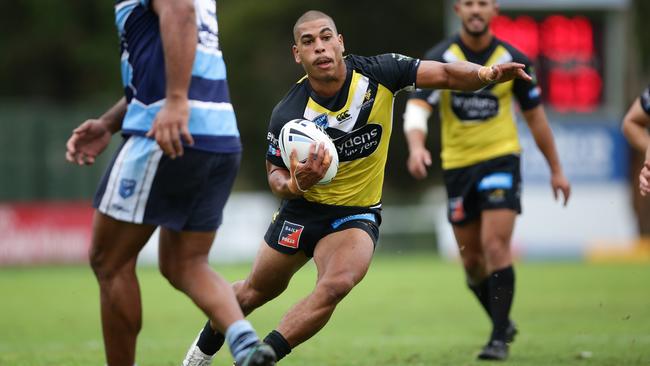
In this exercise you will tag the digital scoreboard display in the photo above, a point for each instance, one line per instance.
(567, 54)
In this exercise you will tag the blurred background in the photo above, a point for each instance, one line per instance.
(60, 66)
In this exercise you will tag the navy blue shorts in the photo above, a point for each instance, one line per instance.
(299, 224)
(143, 186)
(490, 184)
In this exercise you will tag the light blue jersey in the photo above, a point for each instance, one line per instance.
(212, 120)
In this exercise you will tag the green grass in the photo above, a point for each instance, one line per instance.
(409, 310)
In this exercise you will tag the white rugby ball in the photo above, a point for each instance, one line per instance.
(299, 134)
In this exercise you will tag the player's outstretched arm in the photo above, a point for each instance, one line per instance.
(92, 136)
(296, 181)
(635, 127)
(462, 75)
(179, 33)
(541, 131)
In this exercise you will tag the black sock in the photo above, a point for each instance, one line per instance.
(482, 292)
(278, 343)
(210, 341)
(502, 290)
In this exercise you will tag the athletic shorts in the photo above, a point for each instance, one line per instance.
(143, 186)
(300, 224)
(490, 184)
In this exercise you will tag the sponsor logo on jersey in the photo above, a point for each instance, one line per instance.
(474, 106)
(456, 209)
(272, 139)
(321, 120)
(367, 100)
(273, 151)
(343, 116)
(127, 187)
(358, 143)
(399, 57)
(290, 234)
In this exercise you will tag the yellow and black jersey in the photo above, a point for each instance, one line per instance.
(481, 125)
(358, 119)
(645, 100)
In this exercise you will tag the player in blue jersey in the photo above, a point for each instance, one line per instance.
(336, 224)
(174, 171)
(635, 127)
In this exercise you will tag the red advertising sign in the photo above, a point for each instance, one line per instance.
(45, 233)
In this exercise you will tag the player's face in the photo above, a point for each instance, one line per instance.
(476, 15)
(319, 48)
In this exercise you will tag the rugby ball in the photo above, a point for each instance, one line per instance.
(299, 134)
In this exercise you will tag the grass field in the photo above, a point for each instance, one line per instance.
(410, 310)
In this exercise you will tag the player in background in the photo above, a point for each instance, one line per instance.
(335, 224)
(635, 128)
(480, 161)
(174, 170)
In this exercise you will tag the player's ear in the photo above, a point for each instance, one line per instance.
(296, 54)
(342, 43)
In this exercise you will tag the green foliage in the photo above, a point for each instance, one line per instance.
(409, 310)
(61, 57)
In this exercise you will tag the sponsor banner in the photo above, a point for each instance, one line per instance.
(35, 233)
(590, 153)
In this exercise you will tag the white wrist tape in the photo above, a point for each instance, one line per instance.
(415, 117)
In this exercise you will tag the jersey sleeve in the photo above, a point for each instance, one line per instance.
(275, 125)
(645, 100)
(428, 95)
(394, 71)
(528, 93)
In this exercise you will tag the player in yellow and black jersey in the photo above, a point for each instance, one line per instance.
(337, 224)
(480, 160)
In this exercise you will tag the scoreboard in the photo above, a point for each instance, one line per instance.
(567, 55)
(579, 49)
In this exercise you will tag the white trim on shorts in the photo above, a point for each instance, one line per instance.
(129, 184)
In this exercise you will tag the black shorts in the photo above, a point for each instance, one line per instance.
(143, 186)
(300, 224)
(490, 184)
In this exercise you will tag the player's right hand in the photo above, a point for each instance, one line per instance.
(87, 142)
(418, 162)
(170, 125)
(306, 174)
(644, 179)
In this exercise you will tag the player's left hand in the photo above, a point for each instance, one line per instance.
(560, 183)
(644, 179)
(170, 125)
(504, 72)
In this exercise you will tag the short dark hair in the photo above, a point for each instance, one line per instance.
(308, 17)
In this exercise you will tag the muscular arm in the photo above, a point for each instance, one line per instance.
(635, 126)
(280, 182)
(541, 131)
(463, 75)
(178, 32)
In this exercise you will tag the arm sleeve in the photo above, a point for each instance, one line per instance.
(528, 93)
(645, 100)
(275, 126)
(394, 71)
